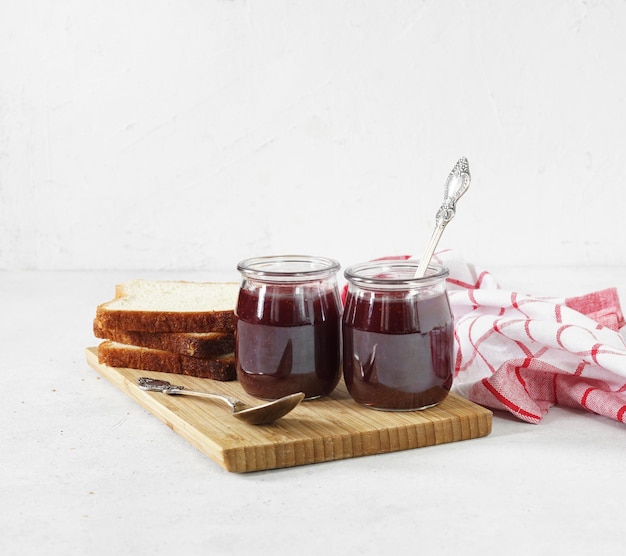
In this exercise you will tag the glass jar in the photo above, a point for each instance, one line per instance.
(398, 334)
(288, 326)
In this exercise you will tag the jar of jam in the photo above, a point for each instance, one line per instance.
(288, 326)
(398, 334)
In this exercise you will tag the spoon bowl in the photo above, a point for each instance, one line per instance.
(263, 414)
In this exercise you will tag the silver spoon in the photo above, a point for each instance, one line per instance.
(457, 184)
(263, 414)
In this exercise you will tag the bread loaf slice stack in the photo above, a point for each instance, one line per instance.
(170, 326)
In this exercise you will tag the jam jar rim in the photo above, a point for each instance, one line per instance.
(254, 267)
(435, 273)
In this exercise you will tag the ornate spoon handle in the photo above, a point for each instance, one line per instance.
(457, 184)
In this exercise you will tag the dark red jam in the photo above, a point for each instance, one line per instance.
(397, 349)
(288, 339)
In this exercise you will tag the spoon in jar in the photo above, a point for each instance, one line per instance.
(457, 184)
(263, 414)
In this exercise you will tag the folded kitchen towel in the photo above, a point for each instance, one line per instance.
(524, 354)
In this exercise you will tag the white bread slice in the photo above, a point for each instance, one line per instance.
(170, 306)
(194, 344)
(115, 354)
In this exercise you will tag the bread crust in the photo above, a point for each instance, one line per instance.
(166, 321)
(220, 368)
(185, 343)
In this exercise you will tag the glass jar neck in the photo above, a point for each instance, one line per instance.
(394, 275)
(288, 269)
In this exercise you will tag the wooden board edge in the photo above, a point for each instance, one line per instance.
(406, 436)
(149, 403)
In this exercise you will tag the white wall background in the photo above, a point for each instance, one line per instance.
(189, 134)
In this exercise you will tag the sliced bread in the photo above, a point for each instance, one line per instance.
(194, 344)
(114, 354)
(170, 306)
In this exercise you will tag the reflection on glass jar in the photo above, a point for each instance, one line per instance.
(288, 331)
(398, 336)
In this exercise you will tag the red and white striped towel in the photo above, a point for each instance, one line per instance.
(524, 354)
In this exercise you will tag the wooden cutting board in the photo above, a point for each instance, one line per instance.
(327, 429)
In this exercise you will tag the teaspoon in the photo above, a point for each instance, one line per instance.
(263, 414)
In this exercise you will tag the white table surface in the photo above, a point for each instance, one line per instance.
(86, 470)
